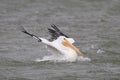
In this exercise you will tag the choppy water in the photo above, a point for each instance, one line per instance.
(94, 24)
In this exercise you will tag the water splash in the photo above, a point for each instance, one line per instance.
(81, 58)
(54, 58)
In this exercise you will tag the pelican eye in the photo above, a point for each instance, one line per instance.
(64, 38)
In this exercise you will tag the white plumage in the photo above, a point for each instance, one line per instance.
(59, 44)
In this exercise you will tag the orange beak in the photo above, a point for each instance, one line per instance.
(66, 43)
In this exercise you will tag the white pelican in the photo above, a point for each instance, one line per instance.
(59, 42)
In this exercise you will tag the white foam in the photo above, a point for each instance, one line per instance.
(81, 58)
(48, 58)
(54, 58)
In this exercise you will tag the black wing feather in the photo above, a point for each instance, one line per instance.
(55, 27)
(32, 35)
(55, 32)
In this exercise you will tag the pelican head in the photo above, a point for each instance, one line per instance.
(67, 42)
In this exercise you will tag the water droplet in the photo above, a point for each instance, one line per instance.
(100, 51)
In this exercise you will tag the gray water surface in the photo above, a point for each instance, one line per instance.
(94, 24)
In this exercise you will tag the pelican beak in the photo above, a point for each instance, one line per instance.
(66, 43)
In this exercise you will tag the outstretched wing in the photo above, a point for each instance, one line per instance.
(55, 32)
(32, 35)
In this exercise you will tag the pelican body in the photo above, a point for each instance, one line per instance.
(59, 43)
